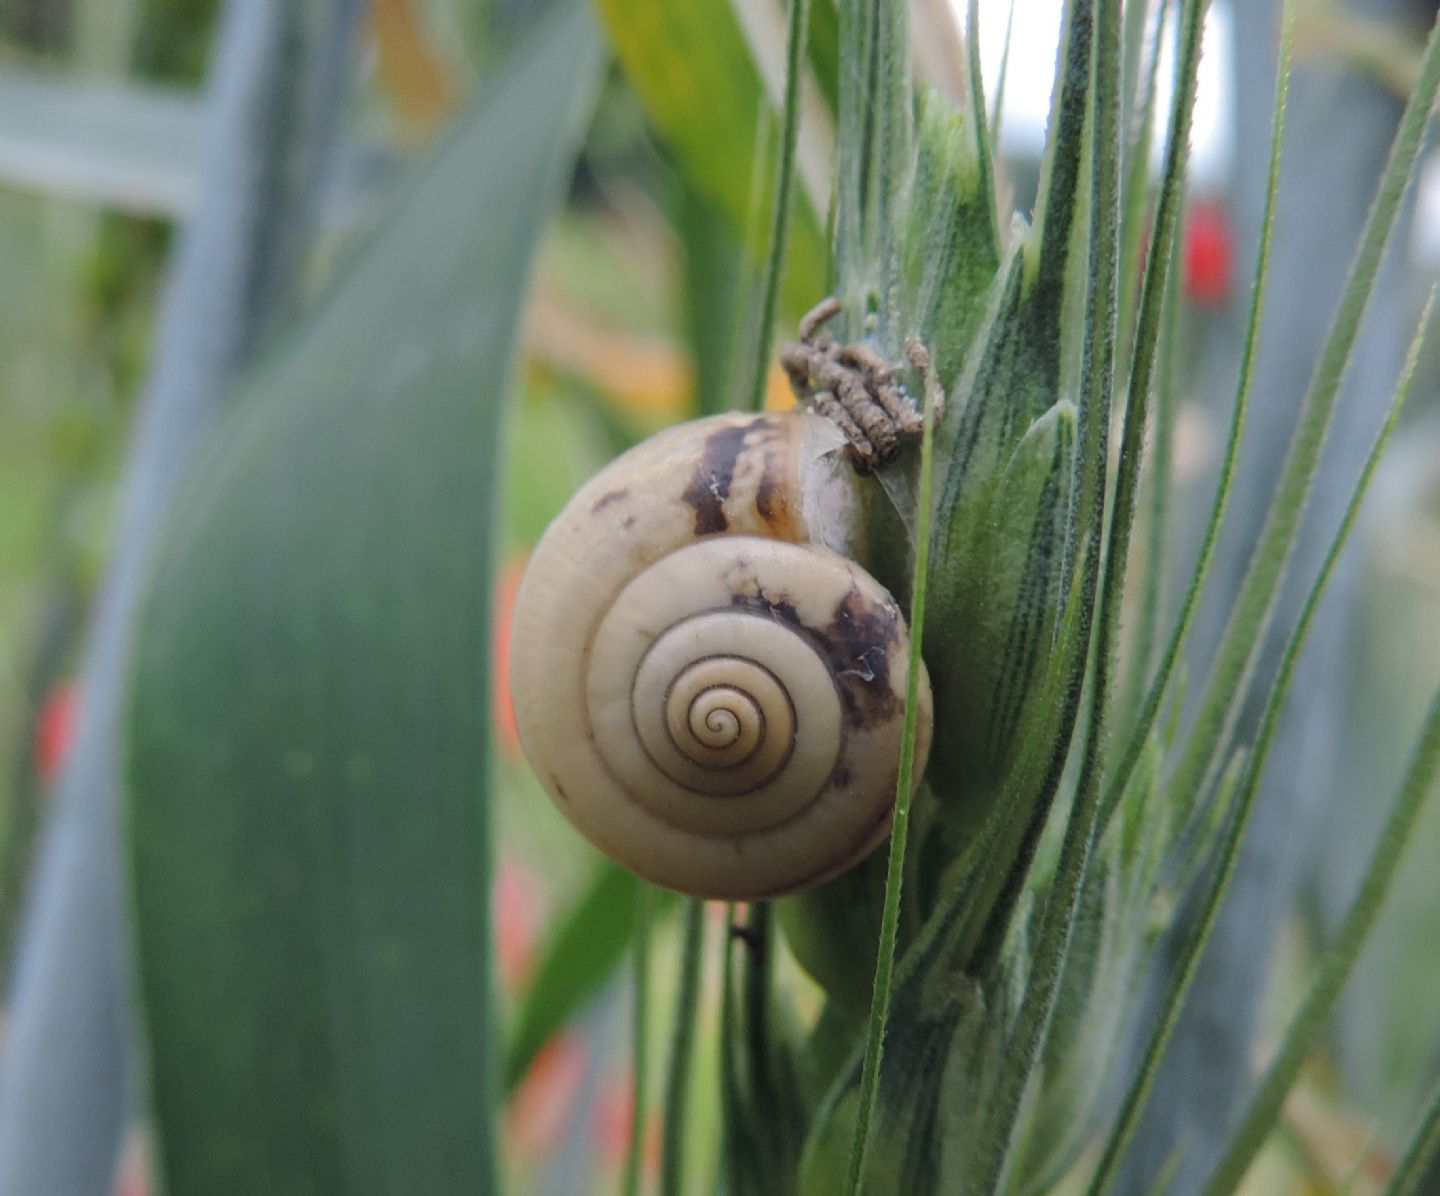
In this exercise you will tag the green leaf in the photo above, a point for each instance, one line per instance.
(1421, 1152)
(1170, 660)
(1337, 963)
(582, 954)
(308, 762)
(1234, 659)
(1335, 966)
(692, 67)
(950, 251)
(1059, 914)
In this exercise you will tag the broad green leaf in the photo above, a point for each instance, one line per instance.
(691, 64)
(308, 757)
(70, 1076)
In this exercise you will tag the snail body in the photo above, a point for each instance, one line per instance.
(711, 692)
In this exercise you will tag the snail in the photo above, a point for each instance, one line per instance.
(708, 688)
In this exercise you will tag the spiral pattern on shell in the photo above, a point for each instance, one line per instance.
(712, 698)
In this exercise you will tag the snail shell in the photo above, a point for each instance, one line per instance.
(711, 692)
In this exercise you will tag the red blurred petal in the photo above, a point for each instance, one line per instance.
(55, 730)
(1209, 254)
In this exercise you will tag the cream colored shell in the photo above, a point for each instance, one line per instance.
(711, 694)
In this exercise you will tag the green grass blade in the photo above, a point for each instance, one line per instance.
(1421, 1153)
(308, 765)
(799, 24)
(1059, 192)
(1157, 509)
(639, 1042)
(983, 140)
(1142, 368)
(890, 916)
(1139, 735)
(717, 276)
(1135, 222)
(682, 1054)
(582, 954)
(997, 111)
(1336, 964)
(1183, 970)
(1334, 968)
(1234, 660)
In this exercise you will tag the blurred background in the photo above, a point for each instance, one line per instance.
(630, 324)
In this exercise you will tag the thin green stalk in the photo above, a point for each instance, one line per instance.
(1183, 972)
(1254, 605)
(1139, 736)
(742, 366)
(639, 1043)
(735, 1160)
(1157, 508)
(1421, 1154)
(890, 918)
(760, 943)
(780, 226)
(1336, 964)
(682, 1051)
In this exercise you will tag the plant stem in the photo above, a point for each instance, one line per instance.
(780, 228)
(640, 1042)
(682, 1051)
(890, 918)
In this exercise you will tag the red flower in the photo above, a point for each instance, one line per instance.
(55, 730)
(1209, 254)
